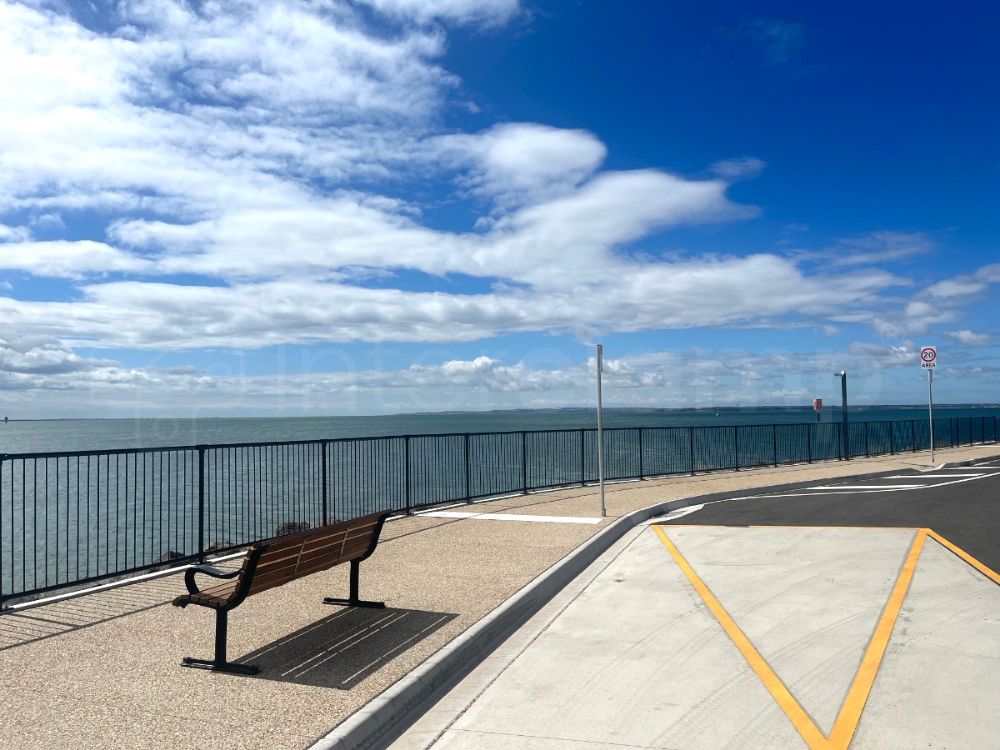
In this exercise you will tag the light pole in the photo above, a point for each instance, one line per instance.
(845, 430)
(600, 428)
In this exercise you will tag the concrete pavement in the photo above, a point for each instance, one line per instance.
(686, 636)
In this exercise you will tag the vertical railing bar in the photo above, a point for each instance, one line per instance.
(691, 439)
(323, 461)
(201, 503)
(524, 462)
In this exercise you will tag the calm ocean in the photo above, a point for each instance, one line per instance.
(99, 434)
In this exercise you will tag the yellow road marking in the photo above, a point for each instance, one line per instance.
(799, 718)
(965, 556)
(850, 713)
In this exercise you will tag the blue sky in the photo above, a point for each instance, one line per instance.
(369, 206)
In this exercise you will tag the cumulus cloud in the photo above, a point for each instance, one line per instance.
(517, 163)
(968, 338)
(487, 12)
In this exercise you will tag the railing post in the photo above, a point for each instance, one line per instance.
(468, 494)
(840, 441)
(524, 462)
(953, 435)
(809, 443)
(774, 443)
(736, 445)
(892, 444)
(323, 445)
(2, 459)
(406, 442)
(583, 458)
(641, 475)
(868, 453)
(913, 436)
(201, 503)
(691, 438)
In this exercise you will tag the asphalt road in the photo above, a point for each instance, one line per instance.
(961, 504)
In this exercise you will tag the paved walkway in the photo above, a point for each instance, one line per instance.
(102, 671)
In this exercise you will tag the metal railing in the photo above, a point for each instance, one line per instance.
(71, 518)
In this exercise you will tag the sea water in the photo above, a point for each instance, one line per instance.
(36, 436)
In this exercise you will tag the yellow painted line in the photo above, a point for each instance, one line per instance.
(850, 712)
(799, 718)
(988, 572)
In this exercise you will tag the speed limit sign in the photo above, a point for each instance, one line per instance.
(928, 357)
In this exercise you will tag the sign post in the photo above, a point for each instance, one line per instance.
(600, 428)
(928, 361)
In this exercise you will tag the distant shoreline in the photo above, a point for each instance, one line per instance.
(833, 407)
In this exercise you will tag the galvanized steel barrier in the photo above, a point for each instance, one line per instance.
(73, 518)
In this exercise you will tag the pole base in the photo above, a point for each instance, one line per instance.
(353, 603)
(214, 666)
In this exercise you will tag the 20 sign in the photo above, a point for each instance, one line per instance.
(928, 357)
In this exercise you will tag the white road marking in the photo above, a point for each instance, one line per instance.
(868, 487)
(871, 489)
(509, 517)
(679, 513)
(934, 476)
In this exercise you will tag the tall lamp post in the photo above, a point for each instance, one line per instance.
(845, 430)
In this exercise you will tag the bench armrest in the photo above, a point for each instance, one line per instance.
(209, 571)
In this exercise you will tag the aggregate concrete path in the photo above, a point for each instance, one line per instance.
(634, 656)
(102, 671)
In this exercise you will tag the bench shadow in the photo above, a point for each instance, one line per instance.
(344, 648)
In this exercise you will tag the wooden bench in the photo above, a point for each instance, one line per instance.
(274, 562)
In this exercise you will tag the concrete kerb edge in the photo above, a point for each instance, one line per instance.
(400, 705)
(401, 701)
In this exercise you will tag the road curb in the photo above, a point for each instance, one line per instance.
(389, 714)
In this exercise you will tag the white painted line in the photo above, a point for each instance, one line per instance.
(114, 584)
(675, 514)
(839, 487)
(511, 517)
(933, 476)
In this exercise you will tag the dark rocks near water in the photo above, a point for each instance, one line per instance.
(168, 556)
(291, 527)
(219, 545)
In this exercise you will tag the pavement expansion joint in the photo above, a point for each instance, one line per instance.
(853, 706)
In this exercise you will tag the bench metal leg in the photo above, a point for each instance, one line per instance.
(354, 601)
(219, 663)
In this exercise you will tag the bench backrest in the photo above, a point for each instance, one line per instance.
(277, 561)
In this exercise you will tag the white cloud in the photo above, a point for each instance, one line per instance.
(14, 234)
(488, 12)
(517, 163)
(878, 247)
(744, 168)
(60, 258)
(968, 338)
